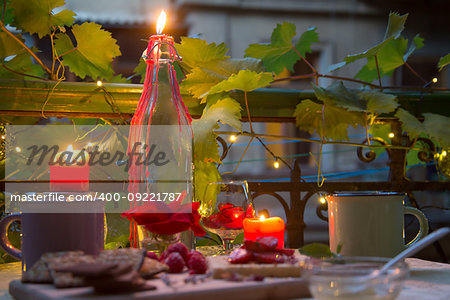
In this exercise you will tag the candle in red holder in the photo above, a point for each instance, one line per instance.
(70, 171)
(262, 226)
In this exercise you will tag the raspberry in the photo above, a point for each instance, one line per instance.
(193, 252)
(152, 255)
(197, 263)
(175, 262)
(180, 248)
(163, 256)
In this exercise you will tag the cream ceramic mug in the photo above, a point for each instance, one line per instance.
(370, 224)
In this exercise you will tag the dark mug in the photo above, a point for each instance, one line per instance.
(50, 232)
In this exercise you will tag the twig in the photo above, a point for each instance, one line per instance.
(367, 128)
(242, 157)
(4, 11)
(306, 61)
(305, 76)
(273, 154)
(378, 70)
(23, 74)
(67, 52)
(415, 73)
(245, 133)
(248, 112)
(49, 96)
(2, 27)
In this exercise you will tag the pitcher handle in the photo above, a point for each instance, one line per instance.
(4, 242)
(423, 223)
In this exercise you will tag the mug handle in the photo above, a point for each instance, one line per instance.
(423, 223)
(4, 242)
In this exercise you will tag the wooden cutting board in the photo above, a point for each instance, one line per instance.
(270, 288)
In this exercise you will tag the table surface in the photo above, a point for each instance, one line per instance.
(428, 280)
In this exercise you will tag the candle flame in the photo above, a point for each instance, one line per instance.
(262, 218)
(161, 22)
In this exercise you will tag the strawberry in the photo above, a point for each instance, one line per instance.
(180, 248)
(268, 243)
(175, 262)
(267, 258)
(264, 244)
(287, 252)
(197, 263)
(240, 256)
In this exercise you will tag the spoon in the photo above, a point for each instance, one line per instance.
(434, 236)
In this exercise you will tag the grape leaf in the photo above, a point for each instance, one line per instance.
(8, 46)
(305, 41)
(339, 95)
(203, 78)
(227, 111)
(379, 103)
(36, 16)
(437, 126)
(309, 117)
(443, 61)
(396, 24)
(365, 101)
(245, 80)
(390, 57)
(9, 16)
(93, 53)
(280, 53)
(417, 43)
(410, 124)
(197, 52)
(140, 70)
(21, 63)
(318, 250)
(200, 81)
(204, 174)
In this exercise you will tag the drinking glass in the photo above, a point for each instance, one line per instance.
(227, 204)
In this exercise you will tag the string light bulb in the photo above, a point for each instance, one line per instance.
(434, 80)
(99, 83)
(322, 200)
(18, 149)
(391, 135)
(276, 164)
(233, 138)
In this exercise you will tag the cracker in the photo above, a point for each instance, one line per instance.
(132, 256)
(39, 272)
(67, 279)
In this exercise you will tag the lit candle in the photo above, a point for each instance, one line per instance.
(159, 37)
(262, 226)
(70, 171)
